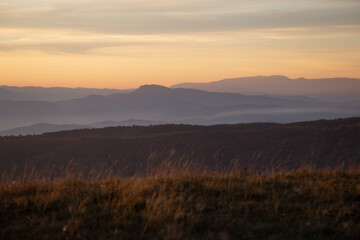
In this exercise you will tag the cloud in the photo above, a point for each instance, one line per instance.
(70, 43)
(164, 17)
(86, 27)
(72, 48)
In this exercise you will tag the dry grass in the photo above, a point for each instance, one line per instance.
(288, 205)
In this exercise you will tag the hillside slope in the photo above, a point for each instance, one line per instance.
(296, 205)
(140, 150)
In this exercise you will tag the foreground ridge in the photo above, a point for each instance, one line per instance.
(287, 205)
(139, 150)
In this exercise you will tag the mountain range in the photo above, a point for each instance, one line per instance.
(329, 89)
(31, 93)
(154, 104)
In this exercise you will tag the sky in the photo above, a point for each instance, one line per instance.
(127, 43)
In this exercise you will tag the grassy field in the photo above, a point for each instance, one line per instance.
(288, 205)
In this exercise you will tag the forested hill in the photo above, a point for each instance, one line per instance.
(140, 150)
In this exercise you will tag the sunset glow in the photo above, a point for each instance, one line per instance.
(124, 44)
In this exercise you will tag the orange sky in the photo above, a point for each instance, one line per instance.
(124, 44)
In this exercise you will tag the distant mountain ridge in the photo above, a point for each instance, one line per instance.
(172, 105)
(345, 89)
(51, 94)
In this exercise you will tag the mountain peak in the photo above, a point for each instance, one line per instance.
(280, 77)
(153, 88)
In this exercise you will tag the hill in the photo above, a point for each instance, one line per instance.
(41, 128)
(141, 150)
(46, 127)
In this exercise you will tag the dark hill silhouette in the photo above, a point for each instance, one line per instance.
(345, 89)
(129, 122)
(131, 150)
(40, 128)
